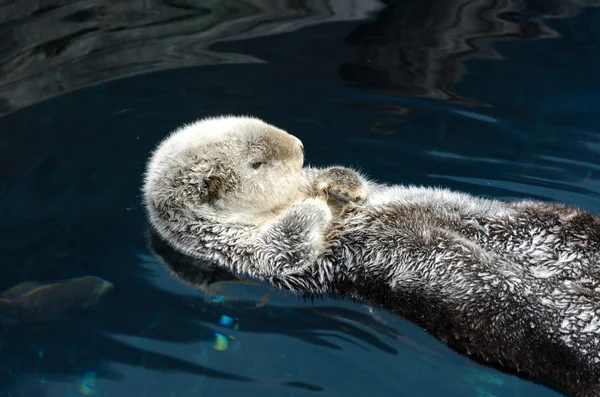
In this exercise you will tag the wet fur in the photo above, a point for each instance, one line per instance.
(193, 271)
(512, 284)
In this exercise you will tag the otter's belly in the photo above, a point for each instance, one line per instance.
(442, 201)
(553, 241)
(550, 246)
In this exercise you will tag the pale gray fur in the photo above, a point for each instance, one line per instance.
(514, 284)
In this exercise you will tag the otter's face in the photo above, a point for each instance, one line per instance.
(266, 170)
(226, 169)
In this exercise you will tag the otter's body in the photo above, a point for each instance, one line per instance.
(513, 284)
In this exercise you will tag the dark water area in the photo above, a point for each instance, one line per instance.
(496, 98)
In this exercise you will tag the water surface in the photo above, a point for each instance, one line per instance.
(496, 98)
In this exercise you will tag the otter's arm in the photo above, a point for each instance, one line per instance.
(340, 183)
(277, 252)
(290, 244)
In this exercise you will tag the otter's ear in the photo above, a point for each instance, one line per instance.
(210, 189)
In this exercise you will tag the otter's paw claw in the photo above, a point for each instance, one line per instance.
(343, 185)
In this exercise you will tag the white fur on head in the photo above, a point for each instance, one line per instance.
(223, 169)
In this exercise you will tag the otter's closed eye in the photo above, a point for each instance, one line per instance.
(257, 165)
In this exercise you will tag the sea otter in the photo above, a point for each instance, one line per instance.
(510, 283)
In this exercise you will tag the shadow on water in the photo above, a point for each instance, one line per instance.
(71, 166)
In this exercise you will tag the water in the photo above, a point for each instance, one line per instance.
(497, 98)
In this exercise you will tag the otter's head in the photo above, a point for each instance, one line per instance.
(223, 169)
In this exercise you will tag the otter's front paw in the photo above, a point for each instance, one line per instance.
(311, 214)
(295, 239)
(342, 184)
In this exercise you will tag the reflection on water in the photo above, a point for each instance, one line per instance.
(457, 93)
(411, 48)
(66, 46)
(419, 48)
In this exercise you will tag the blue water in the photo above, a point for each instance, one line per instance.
(494, 98)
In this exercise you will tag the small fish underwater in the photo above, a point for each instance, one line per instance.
(43, 302)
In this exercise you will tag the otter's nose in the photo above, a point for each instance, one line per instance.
(301, 145)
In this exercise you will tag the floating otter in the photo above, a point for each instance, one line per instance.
(510, 283)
